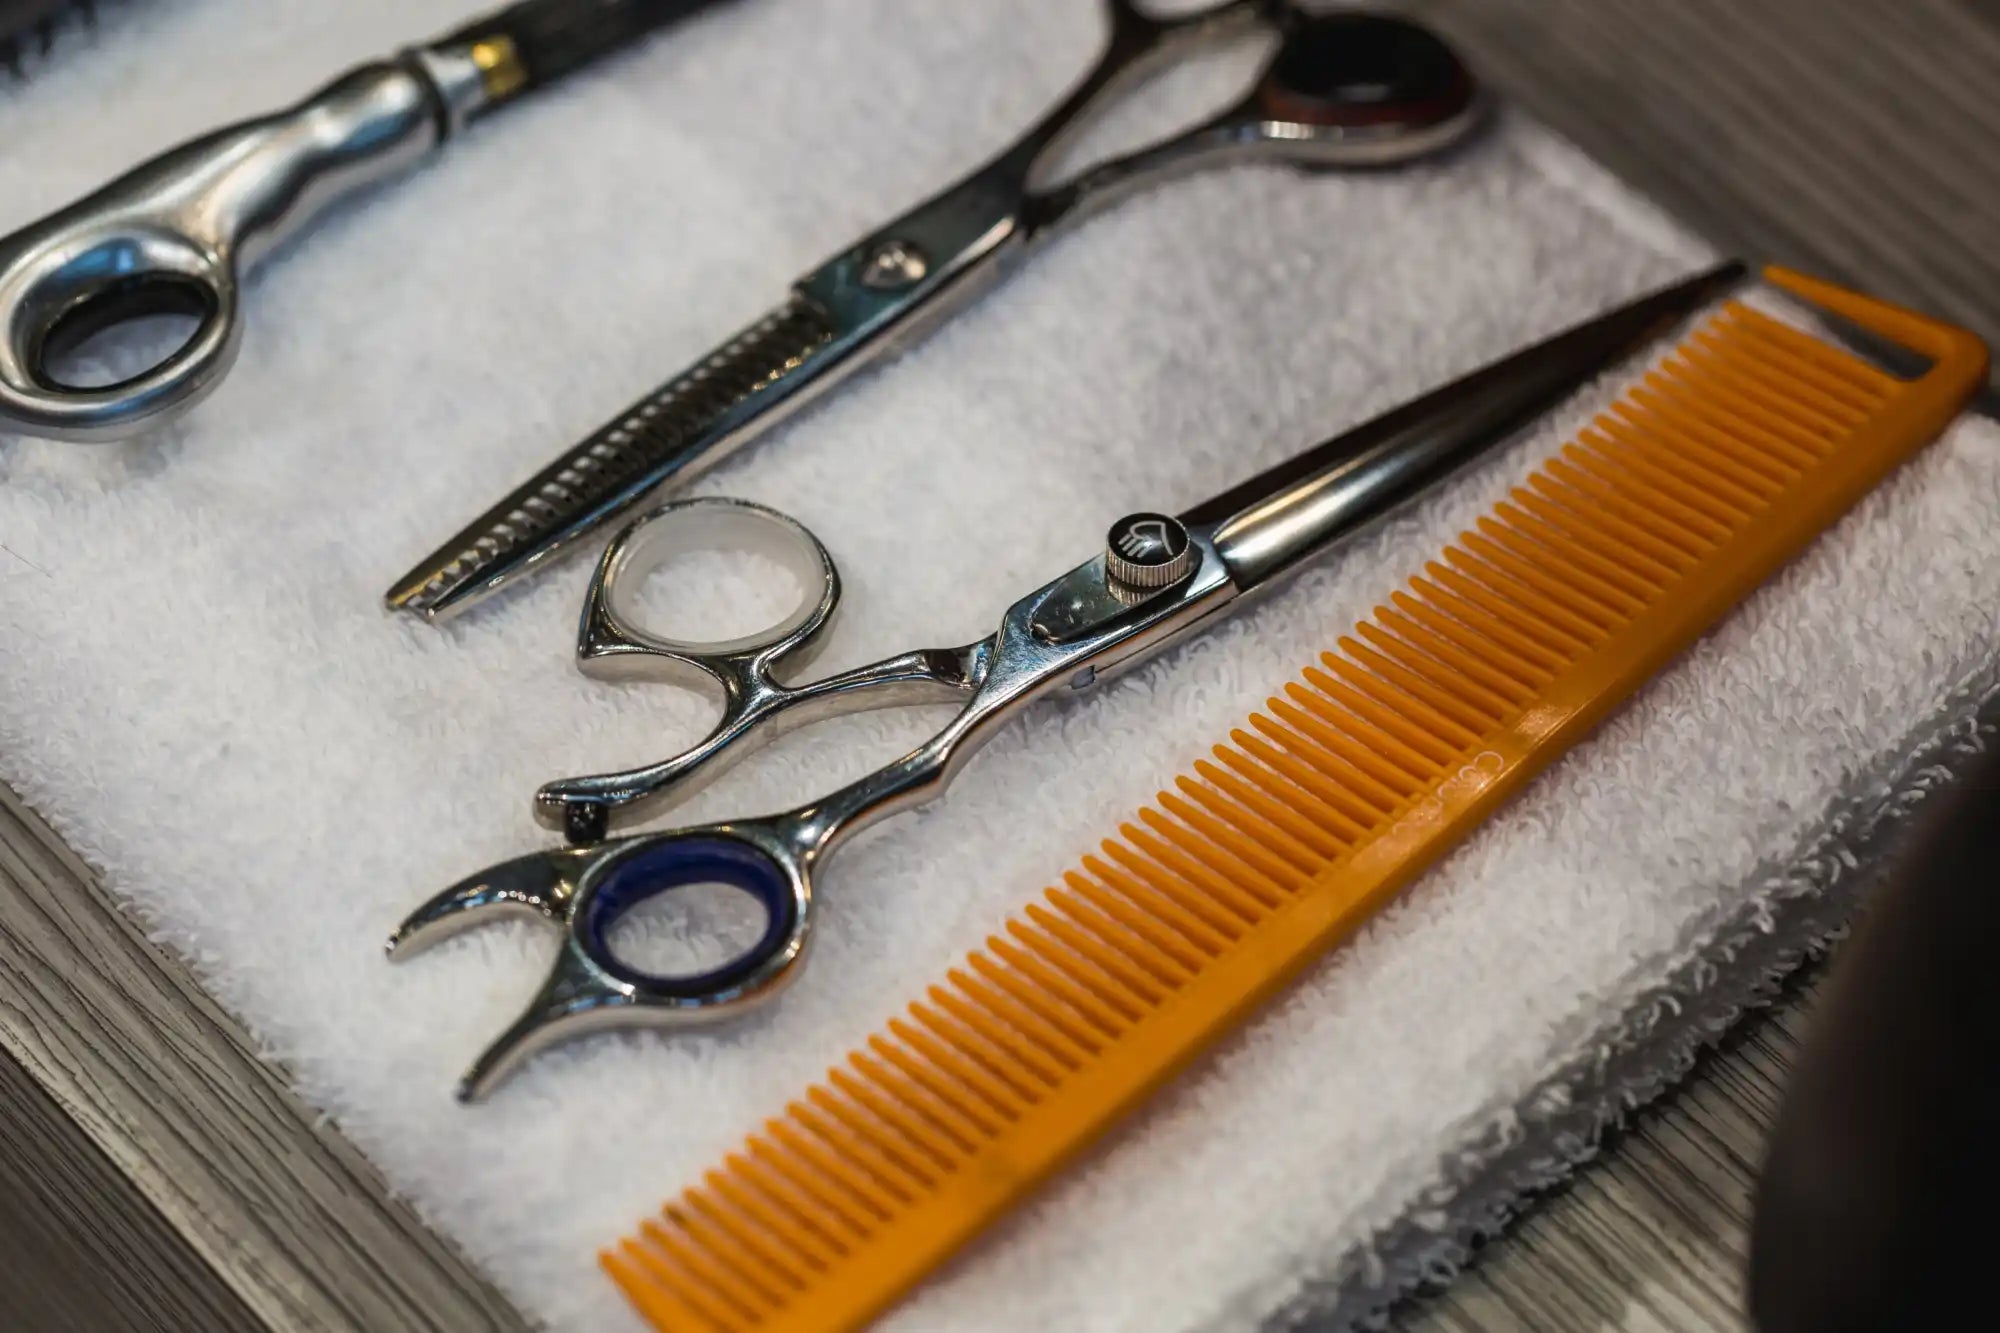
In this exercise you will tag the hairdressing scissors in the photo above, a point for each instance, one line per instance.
(173, 235)
(1159, 577)
(1342, 91)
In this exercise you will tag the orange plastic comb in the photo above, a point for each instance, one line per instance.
(1698, 484)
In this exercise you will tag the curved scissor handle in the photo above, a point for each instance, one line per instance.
(169, 236)
(586, 890)
(1344, 90)
(61, 285)
(613, 642)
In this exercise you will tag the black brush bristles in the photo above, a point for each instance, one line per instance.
(551, 38)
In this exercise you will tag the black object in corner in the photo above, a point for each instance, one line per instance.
(1876, 1210)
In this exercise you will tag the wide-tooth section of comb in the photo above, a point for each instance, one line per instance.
(1611, 558)
(604, 467)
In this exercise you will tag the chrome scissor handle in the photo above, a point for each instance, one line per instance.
(170, 237)
(584, 891)
(614, 641)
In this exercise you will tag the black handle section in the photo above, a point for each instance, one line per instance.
(552, 38)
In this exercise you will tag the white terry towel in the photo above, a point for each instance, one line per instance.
(201, 691)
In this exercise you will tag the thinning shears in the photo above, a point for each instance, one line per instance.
(1341, 91)
(1159, 577)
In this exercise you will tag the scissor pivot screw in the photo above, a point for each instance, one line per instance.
(1146, 552)
(894, 264)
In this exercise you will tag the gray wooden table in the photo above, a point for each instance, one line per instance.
(155, 1173)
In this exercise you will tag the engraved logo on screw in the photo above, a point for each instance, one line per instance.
(894, 264)
(1145, 540)
(1148, 551)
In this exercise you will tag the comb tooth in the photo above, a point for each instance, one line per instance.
(809, 1180)
(1660, 439)
(1298, 856)
(1501, 687)
(1489, 626)
(1590, 619)
(1429, 735)
(1768, 452)
(789, 1156)
(925, 1076)
(655, 1303)
(1701, 533)
(797, 1243)
(1217, 841)
(896, 1177)
(1527, 630)
(1036, 1075)
(708, 1227)
(959, 1133)
(1042, 961)
(1333, 754)
(1065, 1017)
(1611, 516)
(1704, 500)
(860, 1184)
(1385, 635)
(1299, 745)
(681, 1289)
(757, 1227)
(1160, 923)
(1050, 1036)
(1213, 910)
(1162, 840)
(1367, 659)
(1127, 982)
(1049, 1013)
(1511, 673)
(1140, 942)
(799, 1222)
(897, 1105)
(1836, 363)
(1607, 581)
(1816, 419)
(988, 1073)
(1834, 416)
(1333, 780)
(1423, 761)
(1802, 443)
(1755, 338)
(1625, 545)
(1596, 493)
(1361, 692)
(1297, 783)
(1576, 634)
(1204, 939)
(734, 1304)
(1687, 436)
(1318, 843)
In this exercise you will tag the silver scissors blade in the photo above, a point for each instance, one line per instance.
(1344, 91)
(1265, 525)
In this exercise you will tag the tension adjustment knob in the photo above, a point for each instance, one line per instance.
(1144, 552)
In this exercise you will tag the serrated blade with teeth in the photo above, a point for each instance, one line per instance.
(666, 438)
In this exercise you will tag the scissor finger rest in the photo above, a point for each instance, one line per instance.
(585, 891)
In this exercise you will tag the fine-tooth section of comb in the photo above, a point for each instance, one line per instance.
(600, 472)
(1610, 559)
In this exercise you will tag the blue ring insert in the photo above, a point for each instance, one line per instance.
(676, 864)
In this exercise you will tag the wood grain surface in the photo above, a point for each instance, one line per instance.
(157, 1174)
